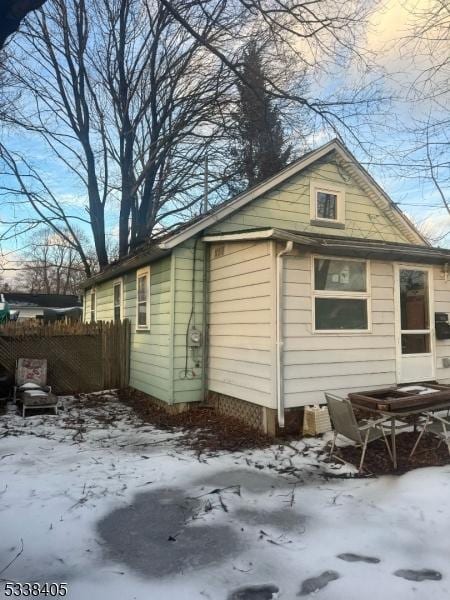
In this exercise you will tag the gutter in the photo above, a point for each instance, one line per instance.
(279, 331)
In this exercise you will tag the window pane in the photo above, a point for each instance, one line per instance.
(415, 343)
(117, 294)
(142, 288)
(414, 299)
(326, 206)
(142, 314)
(340, 275)
(117, 313)
(339, 313)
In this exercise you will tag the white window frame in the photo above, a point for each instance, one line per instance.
(327, 188)
(93, 309)
(341, 295)
(115, 284)
(140, 273)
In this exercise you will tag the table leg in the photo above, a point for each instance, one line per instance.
(393, 443)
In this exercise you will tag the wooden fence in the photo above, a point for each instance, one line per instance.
(81, 357)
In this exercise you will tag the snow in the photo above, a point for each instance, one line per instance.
(96, 499)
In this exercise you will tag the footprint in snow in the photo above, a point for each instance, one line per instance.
(255, 592)
(418, 575)
(317, 583)
(350, 557)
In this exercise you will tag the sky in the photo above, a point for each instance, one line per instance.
(385, 38)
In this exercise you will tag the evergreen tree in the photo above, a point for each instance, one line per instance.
(260, 149)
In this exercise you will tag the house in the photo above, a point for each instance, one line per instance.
(46, 307)
(311, 281)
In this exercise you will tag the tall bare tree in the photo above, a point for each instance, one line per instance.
(130, 96)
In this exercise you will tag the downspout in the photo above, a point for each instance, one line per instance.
(279, 330)
(205, 318)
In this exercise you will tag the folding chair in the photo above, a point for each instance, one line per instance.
(344, 423)
(436, 425)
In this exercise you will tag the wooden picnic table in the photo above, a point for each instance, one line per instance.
(360, 400)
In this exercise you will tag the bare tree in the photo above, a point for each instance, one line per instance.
(25, 190)
(51, 265)
(130, 96)
(427, 152)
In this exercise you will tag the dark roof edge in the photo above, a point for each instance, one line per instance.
(344, 246)
(125, 265)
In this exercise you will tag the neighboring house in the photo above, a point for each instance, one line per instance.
(312, 281)
(46, 307)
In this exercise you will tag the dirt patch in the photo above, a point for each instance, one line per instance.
(206, 431)
(377, 460)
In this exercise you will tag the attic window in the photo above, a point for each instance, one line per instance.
(327, 205)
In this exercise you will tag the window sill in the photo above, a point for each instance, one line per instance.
(325, 223)
(142, 329)
(342, 331)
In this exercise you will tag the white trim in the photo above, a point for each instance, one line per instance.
(344, 295)
(233, 237)
(140, 273)
(93, 291)
(316, 186)
(279, 329)
(116, 282)
(398, 330)
(383, 200)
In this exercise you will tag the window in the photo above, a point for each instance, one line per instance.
(143, 299)
(340, 295)
(93, 301)
(117, 299)
(327, 205)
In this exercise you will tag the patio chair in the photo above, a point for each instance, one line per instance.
(31, 388)
(436, 425)
(344, 423)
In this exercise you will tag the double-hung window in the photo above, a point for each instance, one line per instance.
(93, 305)
(340, 295)
(143, 299)
(117, 300)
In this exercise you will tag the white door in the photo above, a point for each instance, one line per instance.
(414, 324)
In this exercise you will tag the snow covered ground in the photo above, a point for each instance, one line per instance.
(119, 511)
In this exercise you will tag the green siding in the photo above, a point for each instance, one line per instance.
(187, 387)
(150, 356)
(288, 207)
(158, 356)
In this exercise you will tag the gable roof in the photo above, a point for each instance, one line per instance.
(363, 178)
(162, 245)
